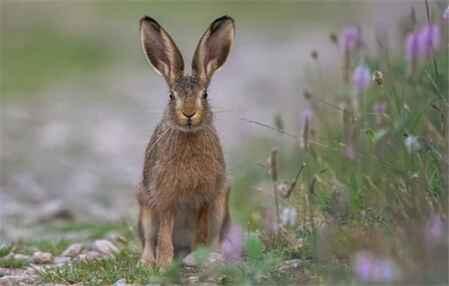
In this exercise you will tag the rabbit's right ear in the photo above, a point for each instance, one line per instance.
(160, 50)
(213, 48)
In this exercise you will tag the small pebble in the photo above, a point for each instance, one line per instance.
(22, 257)
(212, 258)
(290, 265)
(73, 250)
(193, 280)
(40, 257)
(121, 282)
(89, 256)
(105, 247)
(61, 260)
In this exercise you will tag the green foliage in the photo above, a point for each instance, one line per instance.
(261, 268)
(7, 262)
(43, 54)
(254, 248)
(55, 247)
(5, 249)
(103, 271)
(94, 230)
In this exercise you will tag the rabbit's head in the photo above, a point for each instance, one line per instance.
(188, 108)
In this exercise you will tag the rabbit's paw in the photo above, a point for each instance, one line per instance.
(147, 261)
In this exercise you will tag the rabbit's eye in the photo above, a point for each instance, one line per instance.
(172, 97)
(205, 94)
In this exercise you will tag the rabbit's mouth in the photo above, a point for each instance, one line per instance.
(188, 124)
(190, 121)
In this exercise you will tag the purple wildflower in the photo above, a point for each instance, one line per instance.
(362, 265)
(429, 40)
(361, 78)
(380, 108)
(351, 37)
(306, 115)
(349, 152)
(435, 229)
(369, 268)
(232, 246)
(412, 47)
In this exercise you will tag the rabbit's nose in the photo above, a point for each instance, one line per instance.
(189, 114)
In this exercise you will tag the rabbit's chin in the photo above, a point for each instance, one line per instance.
(186, 128)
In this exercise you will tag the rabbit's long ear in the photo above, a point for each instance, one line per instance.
(160, 50)
(213, 48)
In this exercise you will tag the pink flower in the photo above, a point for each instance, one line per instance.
(349, 152)
(373, 269)
(429, 40)
(380, 108)
(412, 47)
(436, 229)
(307, 115)
(232, 246)
(361, 78)
(351, 38)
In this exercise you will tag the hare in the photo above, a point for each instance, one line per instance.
(183, 197)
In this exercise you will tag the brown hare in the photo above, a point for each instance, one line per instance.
(183, 197)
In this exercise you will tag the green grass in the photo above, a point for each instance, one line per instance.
(93, 230)
(55, 247)
(5, 249)
(41, 55)
(13, 263)
(259, 267)
(102, 272)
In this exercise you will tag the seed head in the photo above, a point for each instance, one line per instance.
(307, 94)
(334, 38)
(378, 77)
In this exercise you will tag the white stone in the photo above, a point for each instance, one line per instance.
(73, 250)
(105, 247)
(121, 282)
(89, 256)
(40, 257)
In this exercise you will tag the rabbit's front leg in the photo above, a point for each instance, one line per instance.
(165, 248)
(148, 233)
(211, 221)
(201, 231)
(217, 219)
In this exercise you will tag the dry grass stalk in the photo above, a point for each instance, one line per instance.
(274, 177)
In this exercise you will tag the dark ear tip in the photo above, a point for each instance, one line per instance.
(149, 20)
(226, 18)
(220, 21)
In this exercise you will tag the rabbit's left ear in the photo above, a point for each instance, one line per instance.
(213, 48)
(160, 50)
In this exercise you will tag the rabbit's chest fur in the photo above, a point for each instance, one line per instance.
(183, 168)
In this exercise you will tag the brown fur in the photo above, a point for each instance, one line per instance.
(182, 197)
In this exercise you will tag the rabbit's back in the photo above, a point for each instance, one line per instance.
(182, 168)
